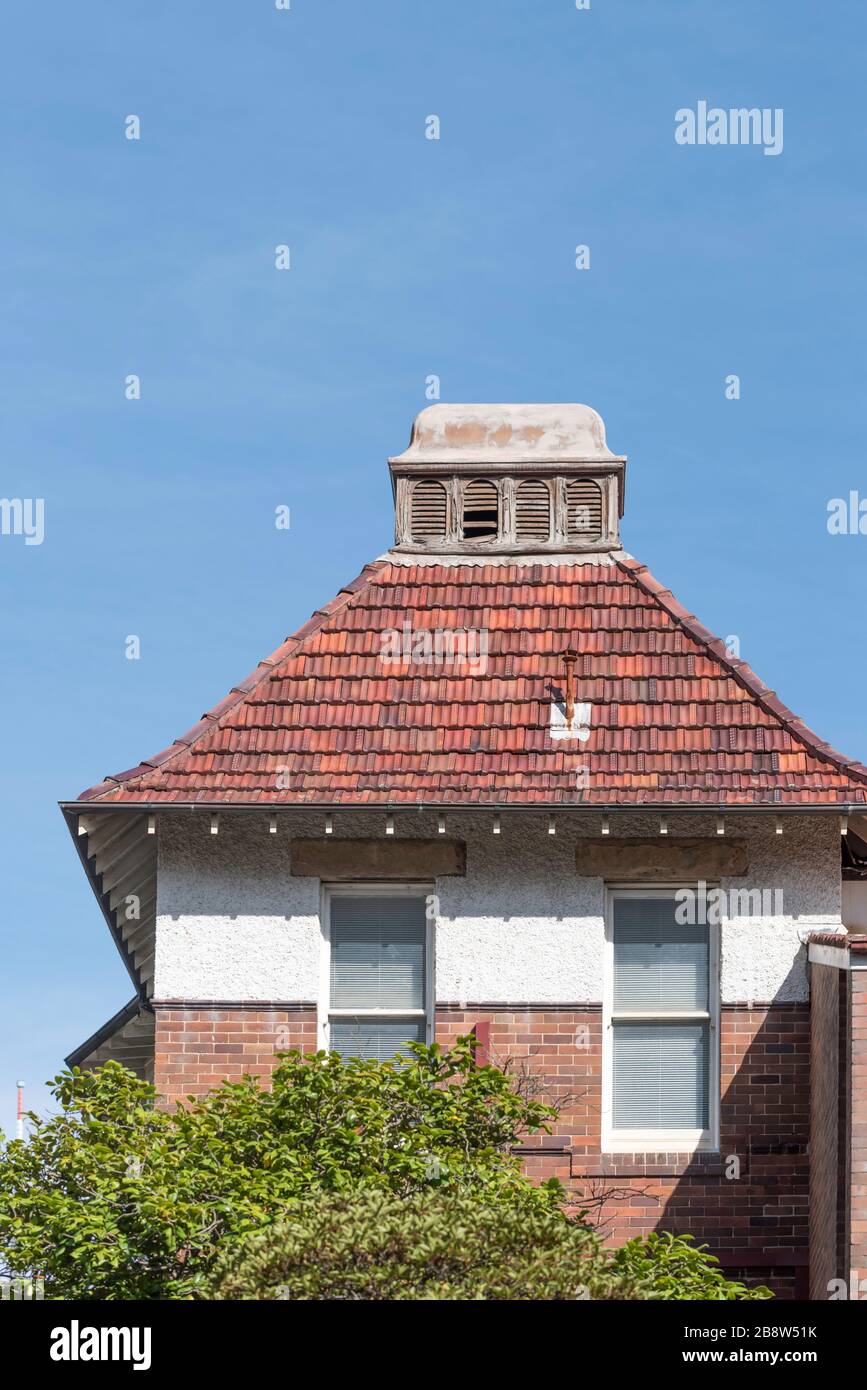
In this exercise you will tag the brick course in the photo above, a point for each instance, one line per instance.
(198, 1047)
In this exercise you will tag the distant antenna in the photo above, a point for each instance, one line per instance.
(19, 1128)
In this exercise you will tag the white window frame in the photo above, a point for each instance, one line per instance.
(658, 1140)
(374, 890)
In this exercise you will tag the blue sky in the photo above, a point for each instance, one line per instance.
(410, 257)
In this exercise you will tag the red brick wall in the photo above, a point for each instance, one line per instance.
(825, 1095)
(764, 1115)
(843, 1135)
(764, 1129)
(858, 1127)
(198, 1047)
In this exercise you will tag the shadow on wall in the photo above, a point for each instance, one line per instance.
(748, 1202)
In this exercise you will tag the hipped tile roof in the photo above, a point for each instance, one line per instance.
(325, 721)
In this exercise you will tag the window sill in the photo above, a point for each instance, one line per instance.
(660, 1144)
(655, 1164)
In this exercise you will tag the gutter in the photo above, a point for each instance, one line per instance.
(841, 808)
(123, 1016)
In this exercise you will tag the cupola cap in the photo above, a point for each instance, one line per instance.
(507, 434)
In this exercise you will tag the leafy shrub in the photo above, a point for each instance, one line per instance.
(432, 1245)
(113, 1199)
(445, 1245)
(675, 1268)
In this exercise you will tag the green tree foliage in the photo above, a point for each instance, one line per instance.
(676, 1268)
(439, 1244)
(345, 1179)
(442, 1244)
(111, 1198)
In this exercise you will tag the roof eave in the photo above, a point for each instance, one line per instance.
(70, 811)
(130, 1010)
(837, 808)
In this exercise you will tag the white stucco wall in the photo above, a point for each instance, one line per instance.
(232, 922)
(521, 927)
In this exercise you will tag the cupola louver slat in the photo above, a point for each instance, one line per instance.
(533, 511)
(583, 510)
(428, 511)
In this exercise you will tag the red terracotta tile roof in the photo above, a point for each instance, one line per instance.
(854, 941)
(323, 720)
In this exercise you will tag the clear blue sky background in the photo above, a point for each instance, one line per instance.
(409, 257)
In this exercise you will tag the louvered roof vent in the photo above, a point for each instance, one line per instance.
(513, 479)
(429, 511)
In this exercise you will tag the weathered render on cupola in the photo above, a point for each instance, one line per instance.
(552, 483)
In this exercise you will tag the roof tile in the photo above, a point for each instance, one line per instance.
(328, 719)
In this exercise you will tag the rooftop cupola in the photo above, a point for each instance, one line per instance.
(507, 479)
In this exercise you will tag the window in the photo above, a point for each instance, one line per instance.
(661, 1068)
(481, 510)
(376, 987)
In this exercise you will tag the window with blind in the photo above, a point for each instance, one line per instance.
(662, 1004)
(378, 967)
